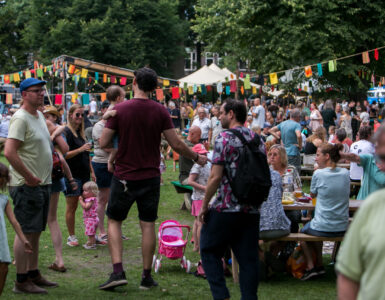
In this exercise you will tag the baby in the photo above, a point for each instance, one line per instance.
(89, 204)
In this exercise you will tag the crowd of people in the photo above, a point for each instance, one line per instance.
(47, 157)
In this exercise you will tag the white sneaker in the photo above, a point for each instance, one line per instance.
(89, 247)
(72, 241)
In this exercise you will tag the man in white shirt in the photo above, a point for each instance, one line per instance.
(93, 106)
(203, 123)
(365, 119)
(363, 146)
(258, 113)
(216, 127)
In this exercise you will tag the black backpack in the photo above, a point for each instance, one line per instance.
(251, 183)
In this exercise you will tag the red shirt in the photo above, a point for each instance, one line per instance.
(139, 124)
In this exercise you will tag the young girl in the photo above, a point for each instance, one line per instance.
(5, 257)
(198, 180)
(89, 203)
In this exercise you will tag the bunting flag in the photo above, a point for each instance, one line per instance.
(241, 75)
(123, 81)
(289, 75)
(8, 98)
(96, 77)
(203, 89)
(175, 93)
(131, 95)
(332, 65)
(219, 88)
(246, 82)
(103, 97)
(376, 55)
(58, 99)
(36, 64)
(190, 90)
(86, 99)
(227, 90)
(104, 78)
(308, 71)
(365, 57)
(185, 86)
(383, 81)
(195, 88)
(254, 89)
(231, 76)
(84, 73)
(11, 77)
(242, 90)
(166, 82)
(74, 97)
(71, 69)
(319, 70)
(273, 78)
(39, 73)
(7, 78)
(108, 79)
(373, 79)
(16, 77)
(209, 88)
(233, 86)
(159, 94)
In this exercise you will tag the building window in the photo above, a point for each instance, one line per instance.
(190, 62)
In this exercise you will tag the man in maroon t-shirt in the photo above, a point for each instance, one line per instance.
(139, 124)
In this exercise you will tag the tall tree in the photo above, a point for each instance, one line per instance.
(279, 35)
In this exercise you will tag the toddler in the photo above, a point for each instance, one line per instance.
(198, 180)
(5, 207)
(89, 203)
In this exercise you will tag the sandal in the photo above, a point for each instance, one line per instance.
(56, 268)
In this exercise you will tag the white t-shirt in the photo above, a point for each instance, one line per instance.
(259, 120)
(93, 106)
(204, 125)
(359, 147)
(364, 116)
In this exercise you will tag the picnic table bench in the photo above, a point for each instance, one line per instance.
(186, 190)
(308, 178)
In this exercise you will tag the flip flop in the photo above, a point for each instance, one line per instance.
(56, 268)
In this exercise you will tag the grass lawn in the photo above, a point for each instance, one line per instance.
(89, 268)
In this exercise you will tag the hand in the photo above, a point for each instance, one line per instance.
(381, 166)
(85, 147)
(80, 198)
(202, 160)
(207, 145)
(93, 177)
(202, 214)
(27, 247)
(32, 181)
(73, 184)
(110, 167)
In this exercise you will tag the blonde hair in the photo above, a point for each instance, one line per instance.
(281, 152)
(319, 133)
(92, 187)
(70, 121)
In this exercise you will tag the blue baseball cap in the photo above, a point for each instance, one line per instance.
(266, 125)
(25, 84)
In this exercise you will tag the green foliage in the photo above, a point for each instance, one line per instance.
(279, 35)
(124, 33)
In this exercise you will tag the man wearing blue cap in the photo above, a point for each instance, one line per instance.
(28, 150)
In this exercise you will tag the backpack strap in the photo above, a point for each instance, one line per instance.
(239, 135)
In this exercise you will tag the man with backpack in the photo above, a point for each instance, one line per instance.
(232, 219)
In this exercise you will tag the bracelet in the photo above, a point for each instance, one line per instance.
(196, 159)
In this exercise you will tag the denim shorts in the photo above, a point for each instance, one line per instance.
(103, 177)
(144, 192)
(308, 230)
(58, 185)
(69, 192)
(31, 206)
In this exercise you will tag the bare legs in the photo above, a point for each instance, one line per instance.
(72, 205)
(308, 248)
(26, 261)
(148, 243)
(196, 233)
(115, 240)
(54, 228)
(102, 202)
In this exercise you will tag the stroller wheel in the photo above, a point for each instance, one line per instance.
(153, 261)
(188, 266)
(183, 262)
(157, 265)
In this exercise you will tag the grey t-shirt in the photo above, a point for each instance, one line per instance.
(100, 156)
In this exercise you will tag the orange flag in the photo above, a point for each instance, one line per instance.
(308, 72)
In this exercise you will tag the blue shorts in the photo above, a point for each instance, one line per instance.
(58, 186)
(69, 192)
(103, 177)
(306, 229)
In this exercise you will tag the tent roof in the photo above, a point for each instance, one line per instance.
(204, 75)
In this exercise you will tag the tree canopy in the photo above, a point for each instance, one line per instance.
(280, 35)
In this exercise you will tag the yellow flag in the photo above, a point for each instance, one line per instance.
(8, 99)
(254, 89)
(27, 74)
(273, 78)
(190, 90)
(84, 73)
(166, 82)
(74, 97)
(16, 77)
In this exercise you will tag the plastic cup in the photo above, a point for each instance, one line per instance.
(314, 201)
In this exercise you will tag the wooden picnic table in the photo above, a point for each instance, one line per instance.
(353, 205)
(310, 168)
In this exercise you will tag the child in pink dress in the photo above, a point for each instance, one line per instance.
(198, 180)
(89, 203)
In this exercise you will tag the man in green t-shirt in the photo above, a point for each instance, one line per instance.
(361, 260)
(28, 150)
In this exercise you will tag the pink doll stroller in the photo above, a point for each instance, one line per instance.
(171, 244)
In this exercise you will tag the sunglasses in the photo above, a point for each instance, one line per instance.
(79, 115)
